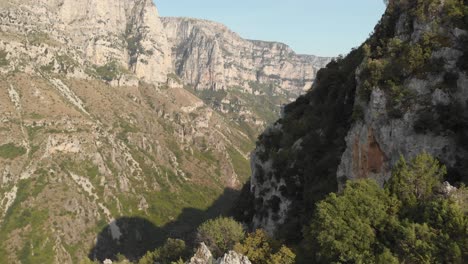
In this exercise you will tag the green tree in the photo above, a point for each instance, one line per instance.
(283, 256)
(416, 181)
(262, 249)
(220, 234)
(346, 226)
(172, 251)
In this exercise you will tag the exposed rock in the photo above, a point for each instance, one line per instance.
(369, 127)
(447, 189)
(233, 258)
(126, 31)
(210, 56)
(202, 256)
(84, 152)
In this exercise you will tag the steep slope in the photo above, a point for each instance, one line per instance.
(126, 31)
(235, 75)
(403, 92)
(91, 133)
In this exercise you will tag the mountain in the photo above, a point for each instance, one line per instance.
(100, 138)
(403, 92)
(246, 80)
(210, 56)
(106, 145)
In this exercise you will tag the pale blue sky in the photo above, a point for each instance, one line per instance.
(319, 27)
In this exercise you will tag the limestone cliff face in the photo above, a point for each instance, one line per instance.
(126, 31)
(210, 56)
(403, 92)
(375, 143)
(79, 156)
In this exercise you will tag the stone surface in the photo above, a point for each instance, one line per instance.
(233, 257)
(208, 55)
(126, 31)
(389, 126)
(202, 256)
(92, 151)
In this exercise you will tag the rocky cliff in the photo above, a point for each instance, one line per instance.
(235, 75)
(128, 32)
(93, 138)
(210, 56)
(401, 93)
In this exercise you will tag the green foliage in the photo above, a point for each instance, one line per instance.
(88, 261)
(415, 182)
(66, 63)
(220, 234)
(109, 72)
(20, 215)
(372, 74)
(457, 12)
(37, 38)
(3, 58)
(173, 250)
(345, 226)
(319, 121)
(240, 163)
(408, 222)
(11, 151)
(262, 249)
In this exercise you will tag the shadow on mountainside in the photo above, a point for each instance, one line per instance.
(139, 235)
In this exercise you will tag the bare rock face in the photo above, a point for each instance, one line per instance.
(126, 31)
(210, 56)
(202, 256)
(375, 144)
(233, 257)
(78, 155)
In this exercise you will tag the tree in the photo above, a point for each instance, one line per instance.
(346, 226)
(262, 249)
(172, 251)
(407, 222)
(220, 234)
(416, 181)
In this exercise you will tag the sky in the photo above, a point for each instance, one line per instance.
(318, 27)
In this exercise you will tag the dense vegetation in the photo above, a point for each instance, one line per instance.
(321, 120)
(11, 151)
(413, 220)
(402, 47)
(220, 234)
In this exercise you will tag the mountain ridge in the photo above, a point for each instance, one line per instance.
(400, 93)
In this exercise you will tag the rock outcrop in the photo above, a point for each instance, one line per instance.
(233, 257)
(210, 56)
(245, 80)
(78, 153)
(128, 32)
(403, 92)
(204, 256)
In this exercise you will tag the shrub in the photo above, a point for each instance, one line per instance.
(3, 58)
(172, 251)
(220, 234)
(11, 151)
(416, 181)
(262, 249)
(345, 227)
(109, 71)
(372, 74)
